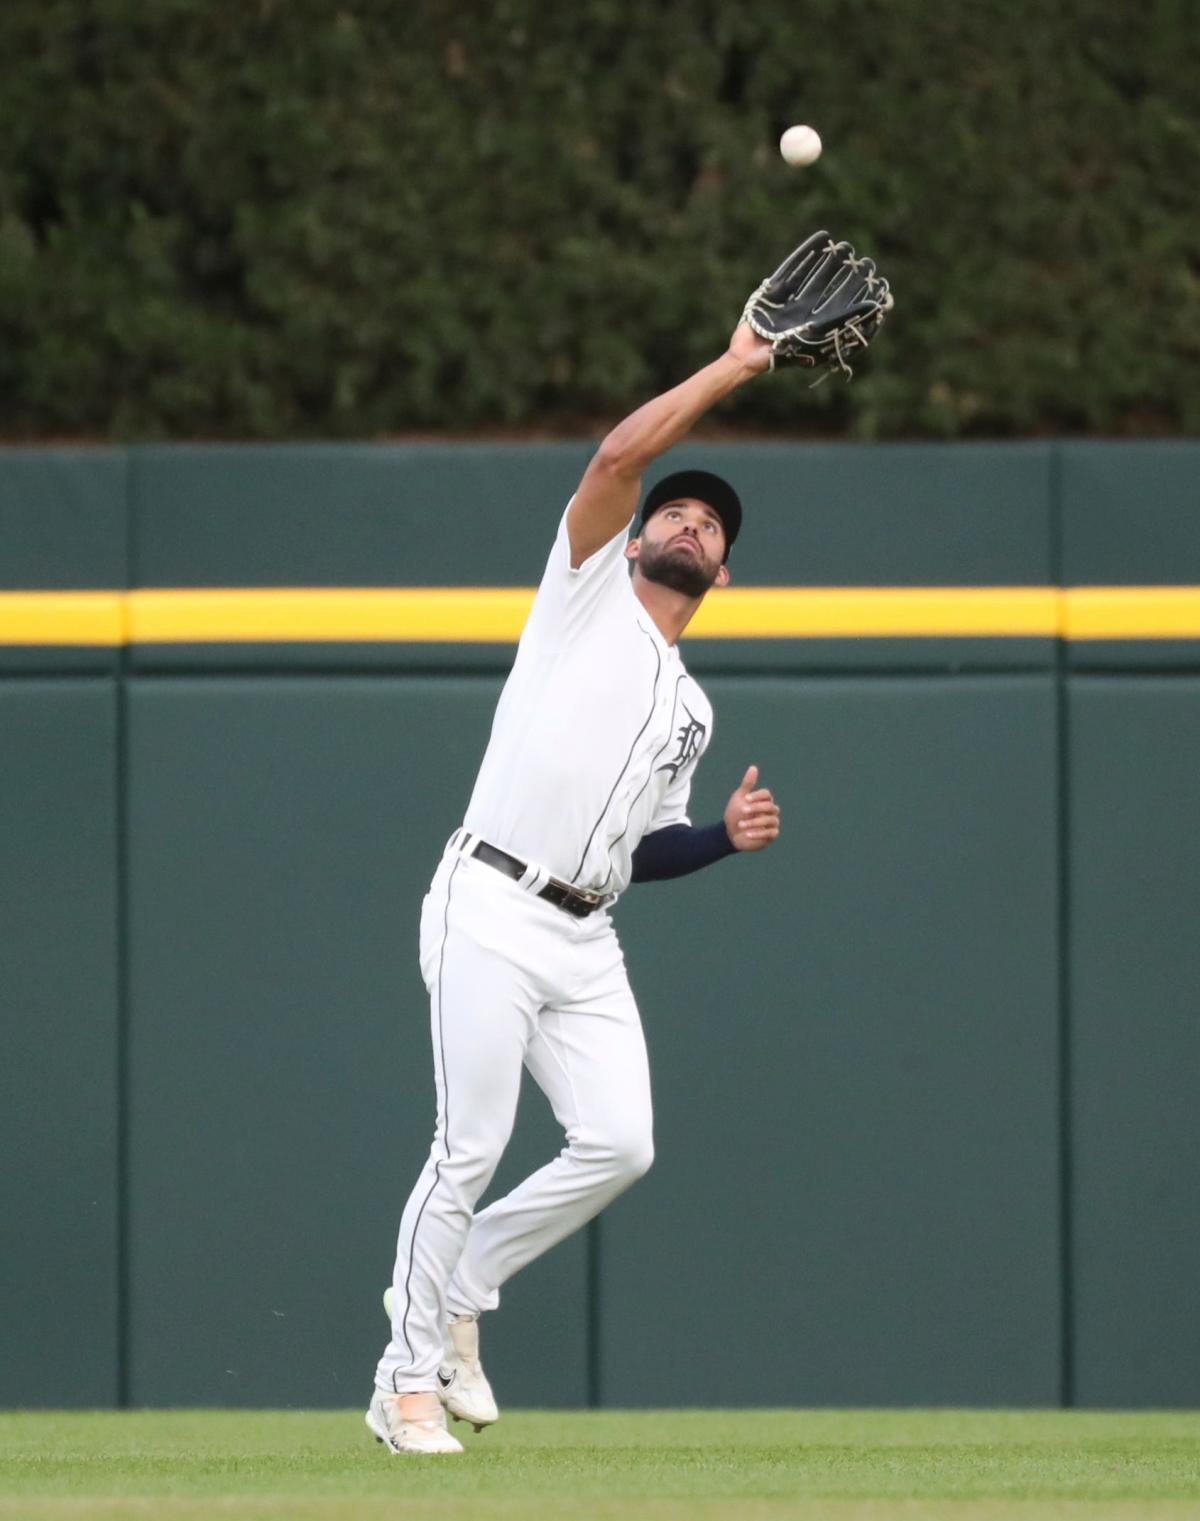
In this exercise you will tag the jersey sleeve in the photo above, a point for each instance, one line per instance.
(567, 596)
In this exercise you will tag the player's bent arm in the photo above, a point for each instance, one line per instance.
(612, 482)
(751, 822)
(679, 849)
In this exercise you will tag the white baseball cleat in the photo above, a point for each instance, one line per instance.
(462, 1384)
(398, 1435)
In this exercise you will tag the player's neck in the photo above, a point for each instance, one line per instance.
(671, 610)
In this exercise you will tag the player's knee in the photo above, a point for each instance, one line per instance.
(471, 1161)
(633, 1155)
(614, 1154)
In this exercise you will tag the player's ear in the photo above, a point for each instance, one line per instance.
(723, 576)
(631, 549)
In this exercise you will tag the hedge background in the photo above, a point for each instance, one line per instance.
(251, 218)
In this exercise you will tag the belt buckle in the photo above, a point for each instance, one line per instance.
(594, 900)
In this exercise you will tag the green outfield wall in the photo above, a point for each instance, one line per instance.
(924, 1073)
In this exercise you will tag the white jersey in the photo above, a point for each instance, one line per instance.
(597, 732)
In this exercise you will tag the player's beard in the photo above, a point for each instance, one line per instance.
(677, 568)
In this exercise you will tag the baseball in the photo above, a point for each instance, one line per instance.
(800, 146)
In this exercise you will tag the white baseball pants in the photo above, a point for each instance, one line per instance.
(512, 981)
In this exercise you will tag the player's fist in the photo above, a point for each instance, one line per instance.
(752, 814)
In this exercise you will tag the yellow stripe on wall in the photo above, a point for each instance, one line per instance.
(59, 617)
(419, 614)
(434, 615)
(888, 612)
(1132, 612)
(496, 615)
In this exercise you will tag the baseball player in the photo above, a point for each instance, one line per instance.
(583, 788)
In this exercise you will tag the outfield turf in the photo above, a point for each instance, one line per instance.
(664, 1465)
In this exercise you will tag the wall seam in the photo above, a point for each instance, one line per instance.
(124, 1290)
(1066, 1239)
(592, 1329)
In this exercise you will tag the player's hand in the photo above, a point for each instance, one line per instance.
(752, 815)
(749, 349)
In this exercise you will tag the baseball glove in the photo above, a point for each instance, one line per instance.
(821, 304)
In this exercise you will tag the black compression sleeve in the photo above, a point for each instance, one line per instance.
(678, 849)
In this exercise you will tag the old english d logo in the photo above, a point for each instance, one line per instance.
(690, 736)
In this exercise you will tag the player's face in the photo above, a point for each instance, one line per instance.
(683, 546)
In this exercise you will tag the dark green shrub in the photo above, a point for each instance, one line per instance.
(262, 219)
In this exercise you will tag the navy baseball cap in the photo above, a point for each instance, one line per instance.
(704, 487)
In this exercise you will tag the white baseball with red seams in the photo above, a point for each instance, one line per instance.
(800, 146)
(595, 740)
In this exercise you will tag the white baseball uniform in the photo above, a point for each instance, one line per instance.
(595, 739)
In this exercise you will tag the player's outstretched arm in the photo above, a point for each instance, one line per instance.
(612, 482)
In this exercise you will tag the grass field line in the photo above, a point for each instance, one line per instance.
(517, 1508)
(742, 1465)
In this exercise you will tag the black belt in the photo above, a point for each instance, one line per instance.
(578, 904)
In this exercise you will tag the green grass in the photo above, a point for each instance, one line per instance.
(593, 1466)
